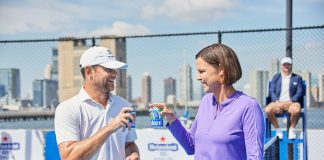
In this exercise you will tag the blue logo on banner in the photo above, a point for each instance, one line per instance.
(162, 147)
(7, 144)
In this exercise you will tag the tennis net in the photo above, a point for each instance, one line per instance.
(271, 149)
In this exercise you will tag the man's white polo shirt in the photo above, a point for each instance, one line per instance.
(285, 85)
(80, 117)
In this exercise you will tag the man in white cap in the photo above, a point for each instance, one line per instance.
(94, 124)
(285, 91)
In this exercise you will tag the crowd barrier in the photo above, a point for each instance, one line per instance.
(154, 144)
(21, 144)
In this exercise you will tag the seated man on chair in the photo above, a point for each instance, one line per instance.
(285, 91)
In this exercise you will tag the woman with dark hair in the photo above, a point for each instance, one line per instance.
(229, 124)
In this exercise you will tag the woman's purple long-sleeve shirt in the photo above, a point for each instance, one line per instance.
(235, 132)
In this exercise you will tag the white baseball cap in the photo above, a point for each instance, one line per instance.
(100, 56)
(286, 60)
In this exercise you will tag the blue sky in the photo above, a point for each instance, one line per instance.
(39, 19)
(32, 19)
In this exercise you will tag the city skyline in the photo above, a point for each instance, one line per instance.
(258, 86)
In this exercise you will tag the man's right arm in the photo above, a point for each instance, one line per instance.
(86, 148)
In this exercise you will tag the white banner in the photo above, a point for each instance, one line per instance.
(159, 144)
(21, 144)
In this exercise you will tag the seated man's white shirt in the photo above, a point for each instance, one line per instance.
(80, 117)
(285, 83)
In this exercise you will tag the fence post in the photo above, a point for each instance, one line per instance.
(93, 41)
(219, 37)
(289, 28)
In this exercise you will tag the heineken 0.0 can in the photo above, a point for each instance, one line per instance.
(132, 122)
(156, 117)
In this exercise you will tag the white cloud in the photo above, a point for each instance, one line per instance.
(37, 16)
(77, 18)
(190, 10)
(120, 29)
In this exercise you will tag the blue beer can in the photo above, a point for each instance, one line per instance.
(156, 117)
(132, 123)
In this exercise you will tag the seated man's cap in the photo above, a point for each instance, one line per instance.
(100, 56)
(286, 60)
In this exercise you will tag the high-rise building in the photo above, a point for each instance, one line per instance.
(202, 91)
(47, 71)
(70, 79)
(2, 90)
(45, 93)
(259, 85)
(54, 65)
(169, 87)
(171, 99)
(186, 84)
(321, 87)
(274, 67)
(199, 91)
(70, 50)
(314, 93)
(38, 93)
(146, 89)
(129, 87)
(10, 84)
(306, 75)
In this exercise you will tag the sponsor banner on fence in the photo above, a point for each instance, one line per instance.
(159, 144)
(21, 144)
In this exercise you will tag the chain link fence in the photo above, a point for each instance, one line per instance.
(32, 72)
